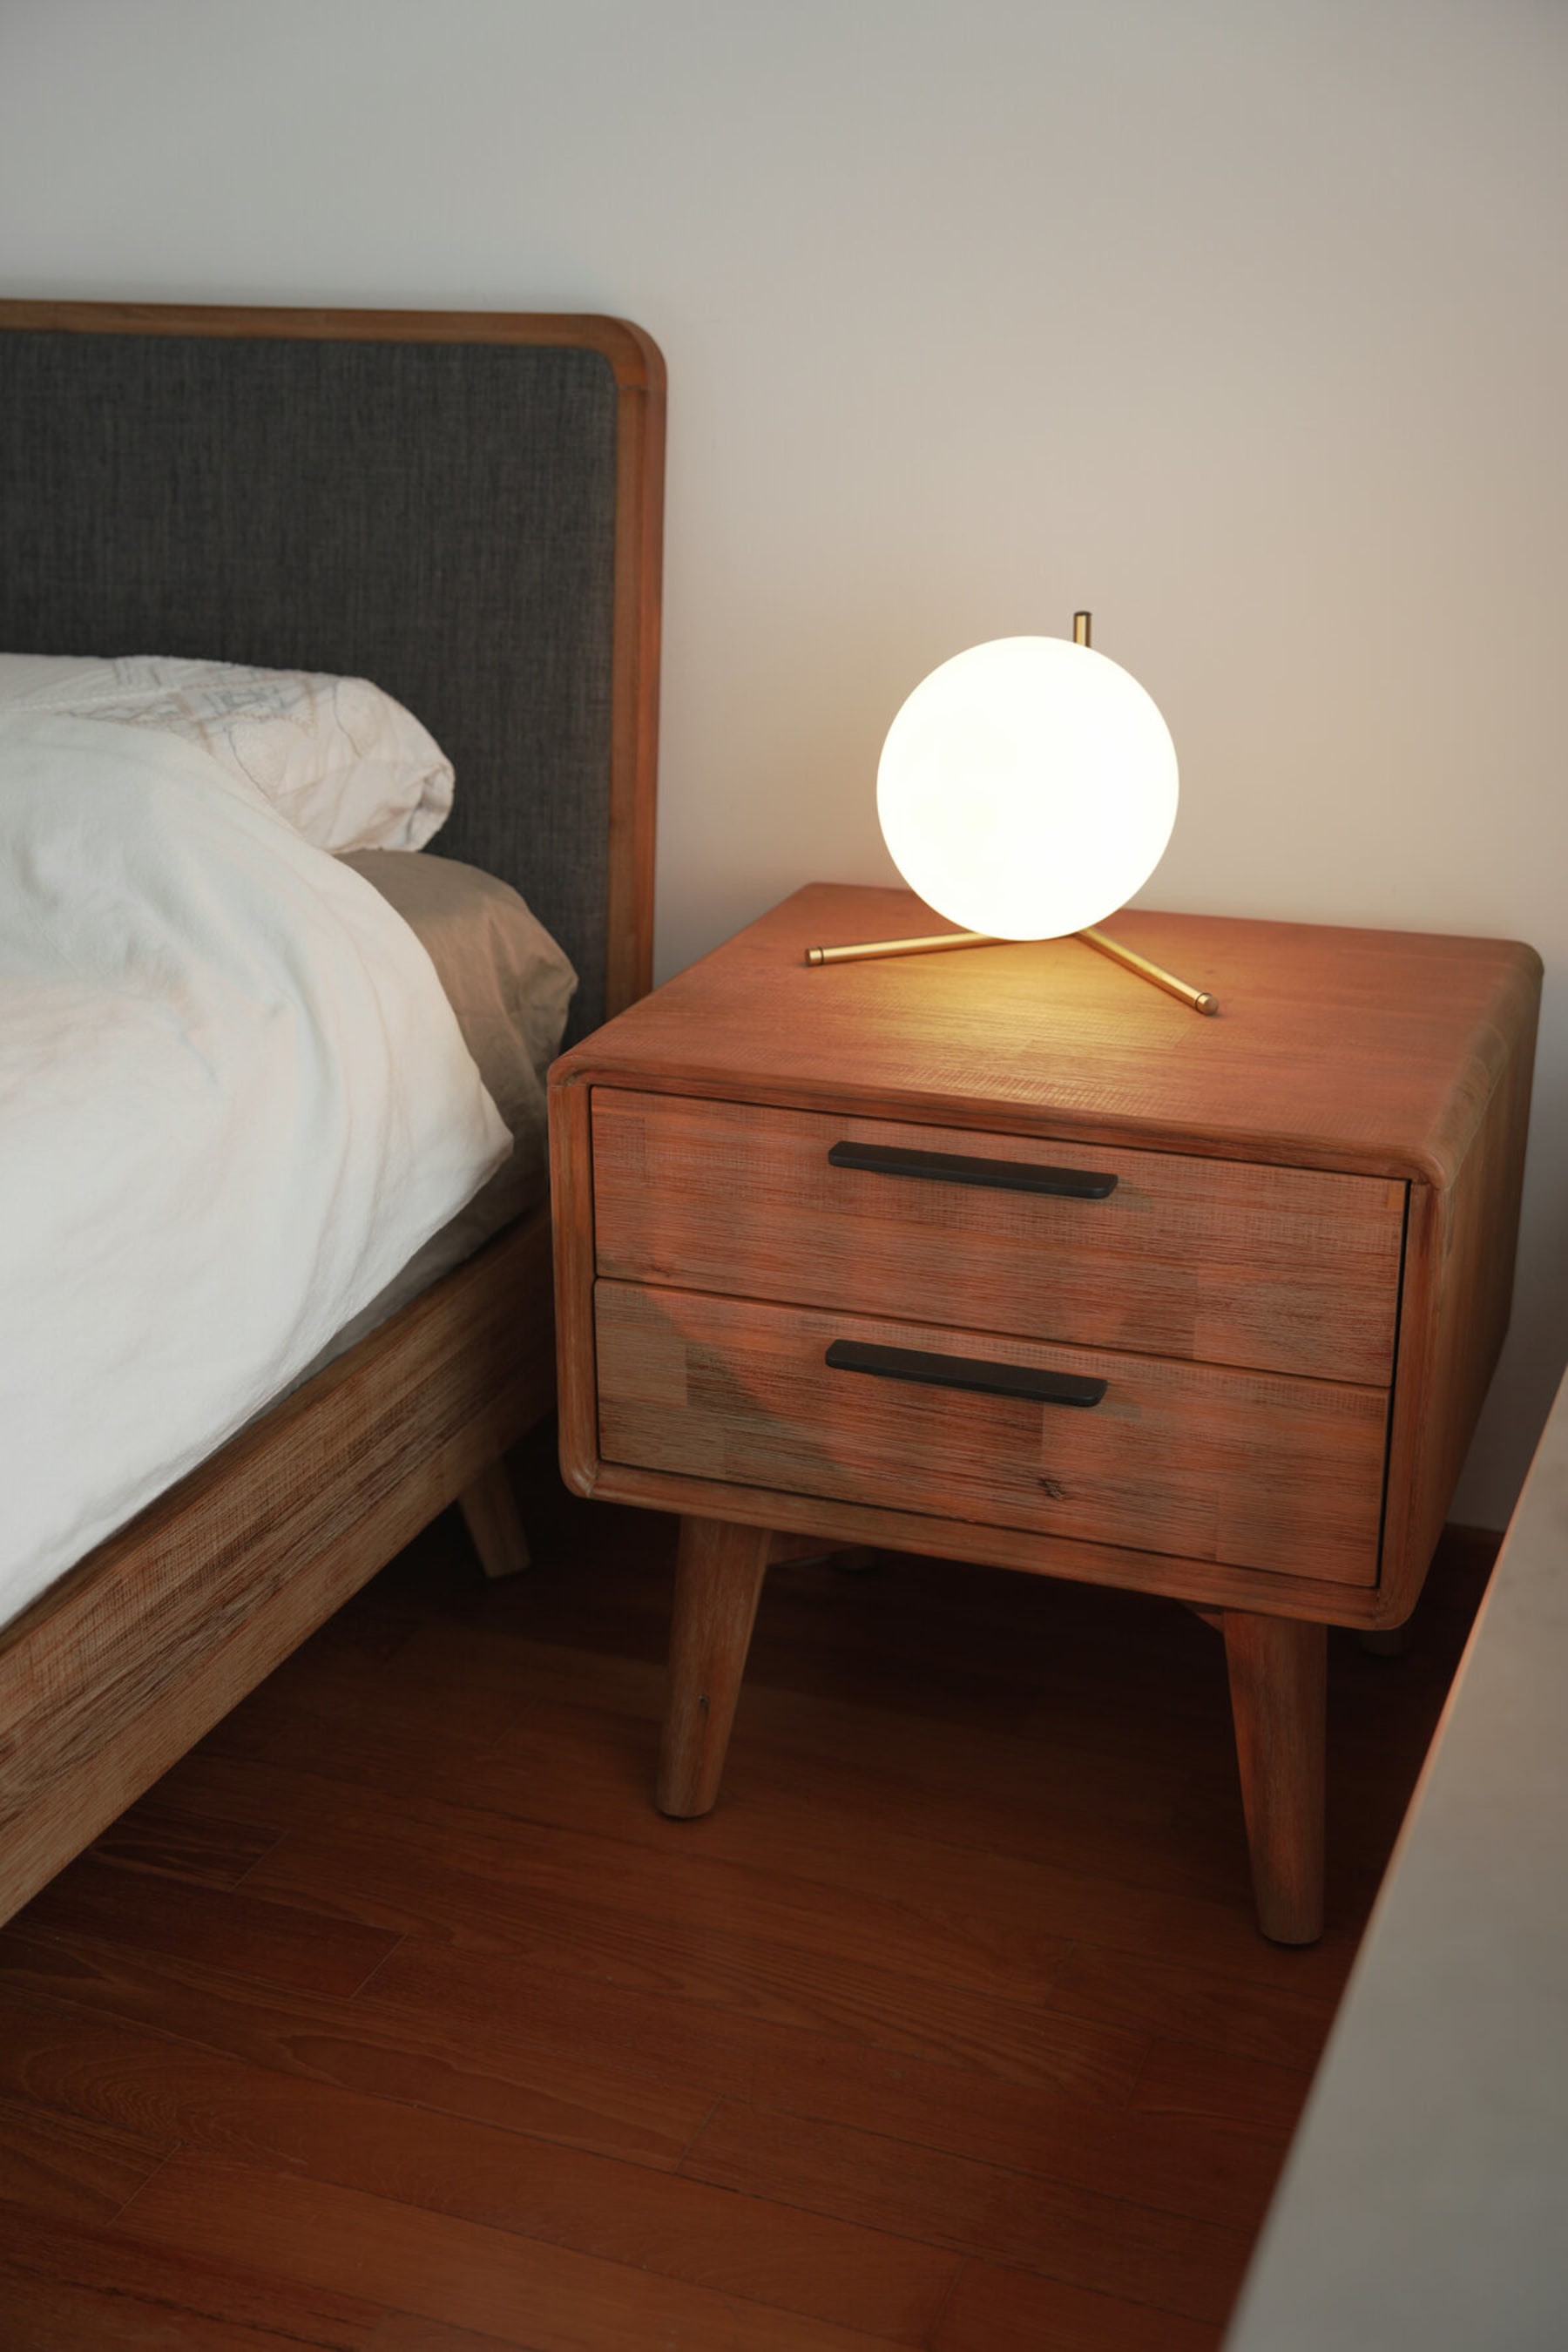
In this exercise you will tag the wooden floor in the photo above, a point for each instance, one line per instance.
(396, 2016)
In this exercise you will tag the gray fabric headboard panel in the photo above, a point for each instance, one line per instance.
(436, 516)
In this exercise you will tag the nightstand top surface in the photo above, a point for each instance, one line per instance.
(1369, 1050)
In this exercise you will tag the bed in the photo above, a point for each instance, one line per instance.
(467, 510)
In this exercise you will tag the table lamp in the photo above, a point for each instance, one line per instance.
(1026, 789)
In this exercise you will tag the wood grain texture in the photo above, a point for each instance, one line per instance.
(1367, 1053)
(461, 2272)
(1104, 2244)
(162, 1838)
(645, 2220)
(706, 2025)
(403, 2331)
(993, 2309)
(1277, 1694)
(1210, 2169)
(1277, 1269)
(957, 1994)
(517, 2075)
(668, 1926)
(719, 1574)
(283, 1945)
(70, 2288)
(1088, 1835)
(1214, 2010)
(1202, 2085)
(729, 1390)
(143, 1645)
(69, 2170)
(1079, 1841)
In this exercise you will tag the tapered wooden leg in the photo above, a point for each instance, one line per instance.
(1277, 1675)
(489, 1514)
(718, 1575)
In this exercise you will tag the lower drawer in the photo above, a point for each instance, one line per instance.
(1250, 1469)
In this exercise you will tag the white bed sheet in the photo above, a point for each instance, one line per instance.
(234, 1101)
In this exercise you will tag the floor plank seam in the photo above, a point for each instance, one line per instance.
(998, 2164)
(255, 1863)
(121, 2211)
(1213, 2048)
(964, 2262)
(172, 2034)
(803, 1956)
(692, 2137)
(367, 1981)
(176, 2039)
(737, 2300)
(967, 2250)
(1141, 2076)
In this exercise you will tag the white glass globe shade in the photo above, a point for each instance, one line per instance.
(1028, 788)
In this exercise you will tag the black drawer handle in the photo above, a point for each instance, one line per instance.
(964, 1372)
(956, 1168)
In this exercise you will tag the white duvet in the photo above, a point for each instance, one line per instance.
(233, 1101)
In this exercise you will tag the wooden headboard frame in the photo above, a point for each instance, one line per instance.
(113, 1673)
(29, 621)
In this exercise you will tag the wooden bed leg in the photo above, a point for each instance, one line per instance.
(489, 1514)
(1276, 1667)
(719, 1576)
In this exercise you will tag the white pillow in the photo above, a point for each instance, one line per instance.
(348, 766)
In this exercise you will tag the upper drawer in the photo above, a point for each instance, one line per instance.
(1280, 1269)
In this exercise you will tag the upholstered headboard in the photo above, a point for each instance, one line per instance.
(465, 509)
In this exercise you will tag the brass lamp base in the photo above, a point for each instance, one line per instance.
(864, 950)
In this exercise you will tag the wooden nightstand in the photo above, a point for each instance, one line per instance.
(1009, 1257)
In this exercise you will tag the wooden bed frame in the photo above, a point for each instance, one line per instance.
(130, 1658)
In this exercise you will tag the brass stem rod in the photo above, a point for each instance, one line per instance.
(1198, 998)
(867, 951)
(863, 951)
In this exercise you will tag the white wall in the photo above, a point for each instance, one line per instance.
(1241, 321)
